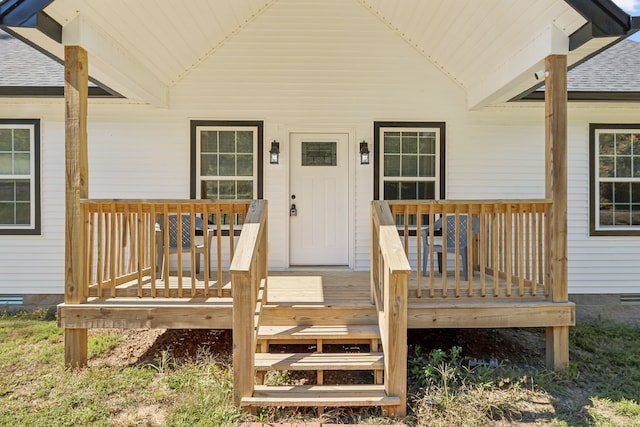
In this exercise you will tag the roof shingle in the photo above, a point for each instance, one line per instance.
(22, 65)
(616, 69)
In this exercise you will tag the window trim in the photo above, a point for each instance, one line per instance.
(377, 126)
(594, 228)
(236, 124)
(35, 227)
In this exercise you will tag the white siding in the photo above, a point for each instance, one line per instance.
(336, 70)
(35, 264)
(134, 152)
(597, 264)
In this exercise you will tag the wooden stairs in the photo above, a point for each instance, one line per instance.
(321, 334)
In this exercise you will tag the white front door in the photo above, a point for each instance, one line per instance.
(319, 198)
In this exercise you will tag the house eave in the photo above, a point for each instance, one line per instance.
(605, 22)
(111, 62)
(588, 96)
(50, 92)
(25, 35)
(30, 14)
(604, 19)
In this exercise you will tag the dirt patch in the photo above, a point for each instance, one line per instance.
(142, 346)
(133, 344)
(522, 347)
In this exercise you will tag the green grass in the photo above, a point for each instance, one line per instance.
(601, 388)
(608, 360)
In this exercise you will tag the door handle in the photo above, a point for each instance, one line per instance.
(293, 211)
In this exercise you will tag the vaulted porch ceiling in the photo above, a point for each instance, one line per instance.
(490, 48)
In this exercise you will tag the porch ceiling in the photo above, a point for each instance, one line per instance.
(490, 48)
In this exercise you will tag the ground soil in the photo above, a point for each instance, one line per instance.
(522, 347)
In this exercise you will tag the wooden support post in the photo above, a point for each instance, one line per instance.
(556, 190)
(243, 332)
(395, 376)
(557, 338)
(76, 84)
(264, 259)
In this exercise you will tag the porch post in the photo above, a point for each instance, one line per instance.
(557, 337)
(76, 82)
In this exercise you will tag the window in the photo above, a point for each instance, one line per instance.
(226, 160)
(319, 153)
(614, 170)
(19, 177)
(409, 160)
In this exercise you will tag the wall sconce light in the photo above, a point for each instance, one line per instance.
(364, 153)
(274, 153)
(541, 75)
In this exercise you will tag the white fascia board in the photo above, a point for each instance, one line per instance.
(111, 64)
(41, 41)
(516, 74)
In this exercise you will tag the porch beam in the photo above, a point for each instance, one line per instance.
(516, 74)
(76, 84)
(114, 65)
(556, 190)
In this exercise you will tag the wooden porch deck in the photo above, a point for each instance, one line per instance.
(307, 297)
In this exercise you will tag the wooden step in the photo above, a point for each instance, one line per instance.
(319, 361)
(320, 395)
(320, 314)
(327, 333)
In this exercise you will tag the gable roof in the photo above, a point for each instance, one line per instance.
(26, 72)
(616, 69)
(489, 48)
(612, 75)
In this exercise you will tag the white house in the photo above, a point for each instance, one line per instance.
(317, 72)
(318, 107)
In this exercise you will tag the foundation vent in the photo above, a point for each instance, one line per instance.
(630, 299)
(11, 300)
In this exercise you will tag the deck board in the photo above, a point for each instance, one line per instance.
(319, 288)
(307, 298)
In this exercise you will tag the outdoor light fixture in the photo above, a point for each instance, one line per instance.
(274, 153)
(541, 75)
(364, 153)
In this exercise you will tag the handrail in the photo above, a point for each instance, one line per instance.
(248, 279)
(389, 272)
(507, 245)
(124, 243)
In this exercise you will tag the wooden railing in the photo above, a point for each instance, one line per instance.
(248, 280)
(389, 271)
(126, 249)
(507, 246)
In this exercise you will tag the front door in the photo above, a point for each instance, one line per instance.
(319, 199)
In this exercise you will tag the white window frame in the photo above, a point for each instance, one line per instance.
(436, 179)
(33, 125)
(595, 180)
(200, 178)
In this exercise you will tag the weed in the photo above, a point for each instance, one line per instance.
(164, 362)
(438, 368)
(277, 378)
(628, 408)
